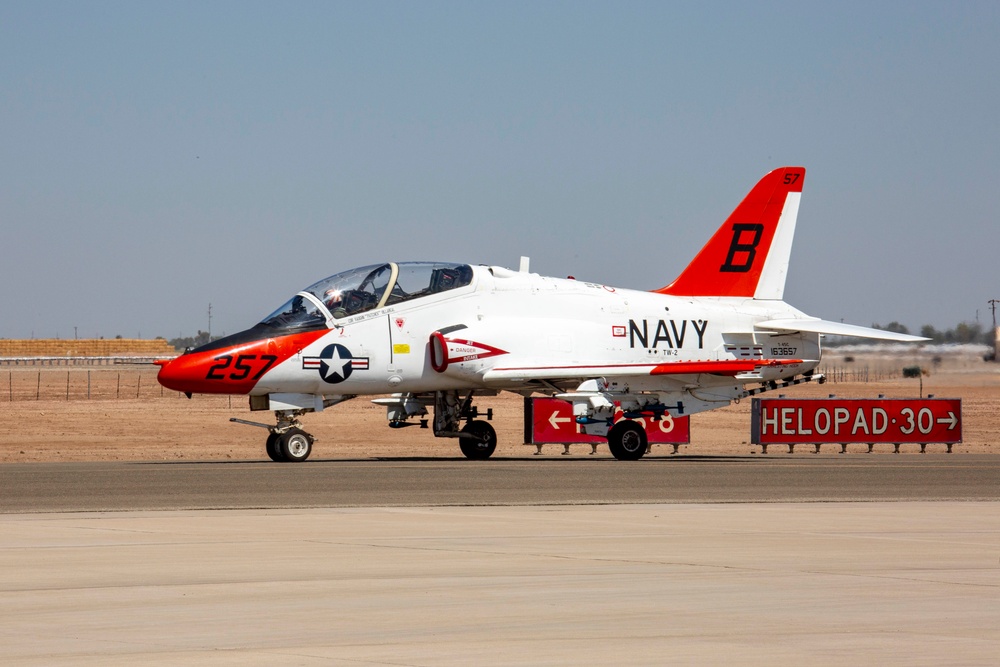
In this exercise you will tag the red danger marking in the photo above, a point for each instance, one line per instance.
(812, 421)
(551, 421)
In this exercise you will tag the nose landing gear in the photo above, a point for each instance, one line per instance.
(293, 446)
(286, 442)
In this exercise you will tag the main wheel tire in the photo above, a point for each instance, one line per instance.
(295, 445)
(273, 448)
(627, 441)
(481, 441)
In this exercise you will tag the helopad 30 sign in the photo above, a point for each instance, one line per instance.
(838, 420)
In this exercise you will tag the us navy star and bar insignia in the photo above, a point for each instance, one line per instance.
(335, 363)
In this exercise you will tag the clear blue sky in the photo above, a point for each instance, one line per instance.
(161, 156)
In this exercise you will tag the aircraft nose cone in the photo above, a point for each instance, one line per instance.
(177, 374)
(166, 376)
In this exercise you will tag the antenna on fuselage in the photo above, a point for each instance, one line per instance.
(524, 264)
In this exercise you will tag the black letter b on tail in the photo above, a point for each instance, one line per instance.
(746, 251)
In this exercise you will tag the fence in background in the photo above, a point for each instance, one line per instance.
(79, 361)
(75, 384)
(859, 373)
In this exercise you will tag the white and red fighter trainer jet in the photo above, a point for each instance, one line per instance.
(438, 334)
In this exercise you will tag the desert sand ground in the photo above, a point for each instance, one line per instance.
(79, 413)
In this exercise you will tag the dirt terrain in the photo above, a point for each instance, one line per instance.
(80, 413)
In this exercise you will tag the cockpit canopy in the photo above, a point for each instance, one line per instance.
(346, 294)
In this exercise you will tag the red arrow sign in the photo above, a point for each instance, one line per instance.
(551, 421)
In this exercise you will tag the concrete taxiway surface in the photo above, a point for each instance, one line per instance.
(50, 487)
(749, 584)
(733, 561)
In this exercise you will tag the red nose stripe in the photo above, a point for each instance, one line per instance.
(232, 370)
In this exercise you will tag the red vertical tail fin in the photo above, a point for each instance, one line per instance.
(748, 255)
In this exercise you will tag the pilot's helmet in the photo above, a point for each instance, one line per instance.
(332, 297)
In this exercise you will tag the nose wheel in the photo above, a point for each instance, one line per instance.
(273, 452)
(286, 442)
(292, 446)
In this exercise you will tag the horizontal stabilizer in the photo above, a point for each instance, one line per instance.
(811, 325)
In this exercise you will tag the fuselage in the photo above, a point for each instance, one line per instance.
(501, 330)
(435, 335)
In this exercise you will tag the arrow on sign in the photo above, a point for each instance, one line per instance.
(555, 420)
(952, 420)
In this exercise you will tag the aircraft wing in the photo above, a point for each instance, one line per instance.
(813, 325)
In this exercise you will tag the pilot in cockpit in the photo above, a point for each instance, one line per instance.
(334, 301)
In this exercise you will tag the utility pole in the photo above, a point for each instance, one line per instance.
(210, 322)
(996, 337)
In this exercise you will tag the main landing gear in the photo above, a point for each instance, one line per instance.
(627, 440)
(476, 438)
(479, 441)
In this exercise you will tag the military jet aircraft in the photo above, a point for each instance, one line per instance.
(435, 335)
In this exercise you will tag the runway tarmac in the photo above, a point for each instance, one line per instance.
(78, 487)
(749, 561)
